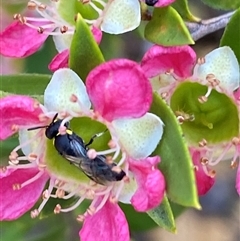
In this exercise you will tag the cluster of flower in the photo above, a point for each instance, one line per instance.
(118, 93)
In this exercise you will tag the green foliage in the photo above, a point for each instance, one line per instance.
(24, 84)
(163, 216)
(176, 163)
(183, 9)
(167, 28)
(84, 51)
(231, 30)
(215, 120)
(223, 4)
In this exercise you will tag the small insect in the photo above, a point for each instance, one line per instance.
(72, 147)
(151, 2)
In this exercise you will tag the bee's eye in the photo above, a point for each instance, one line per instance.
(151, 2)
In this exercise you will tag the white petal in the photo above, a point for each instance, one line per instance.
(223, 63)
(140, 136)
(62, 42)
(121, 16)
(128, 190)
(63, 85)
(24, 136)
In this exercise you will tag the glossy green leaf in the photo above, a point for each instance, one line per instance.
(84, 51)
(24, 84)
(167, 28)
(183, 9)
(215, 120)
(176, 163)
(230, 36)
(223, 4)
(163, 216)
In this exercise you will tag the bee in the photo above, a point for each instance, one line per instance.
(72, 148)
(151, 2)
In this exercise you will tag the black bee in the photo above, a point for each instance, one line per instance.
(72, 147)
(151, 2)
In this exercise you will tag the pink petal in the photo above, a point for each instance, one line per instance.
(97, 33)
(15, 203)
(119, 89)
(237, 95)
(151, 183)
(159, 59)
(238, 180)
(108, 224)
(204, 182)
(17, 110)
(163, 3)
(59, 61)
(19, 40)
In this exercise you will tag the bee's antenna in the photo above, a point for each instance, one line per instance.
(39, 127)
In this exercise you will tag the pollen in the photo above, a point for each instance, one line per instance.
(202, 143)
(236, 141)
(212, 173)
(63, 29)
(20, 18)
(92, 153)
(57, 209)
(60, 193)
(234, 164)
(31, 5)
(201, 61)
(34, 213)
(16, 186)
(15, 128)
(202, 99)
(204, 161)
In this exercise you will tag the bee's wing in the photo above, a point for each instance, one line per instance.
(77, 146)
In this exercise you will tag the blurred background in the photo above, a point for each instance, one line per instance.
(219, 218)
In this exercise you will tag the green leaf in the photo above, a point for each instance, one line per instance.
(182, 7)
(215, 120)
(231, 30)
(167, 28)
(84, 51)
(163, 216)
(223, 4)
(176, 163)
(24, 84)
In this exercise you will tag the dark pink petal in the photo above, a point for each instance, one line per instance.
(97, 33)
(204, 182)
(108, 224)
(119, 89)
(151, 183)
(19, 40)
(159, 59)
(237, 95)
(163, 3)
(59, 61)
(15, 203)
(17, 110)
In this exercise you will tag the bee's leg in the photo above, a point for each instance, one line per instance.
(95, 136)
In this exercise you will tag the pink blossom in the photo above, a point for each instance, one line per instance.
(204, 178)
(134, 136)
(168, 67)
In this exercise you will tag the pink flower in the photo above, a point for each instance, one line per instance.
(167, 68)
(204, 177)
(56, 19)
(119, 104)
